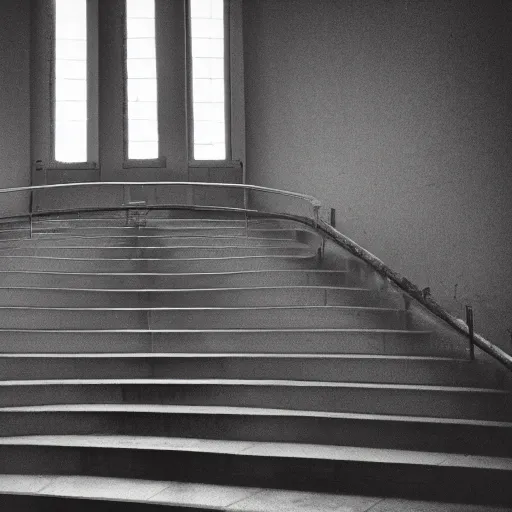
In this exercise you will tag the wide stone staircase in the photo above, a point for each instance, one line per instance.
(199, 359)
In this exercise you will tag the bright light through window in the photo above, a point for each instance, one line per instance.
(207, 35)
(141, 83)
(71, 80)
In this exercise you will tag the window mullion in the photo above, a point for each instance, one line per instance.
(93, 81)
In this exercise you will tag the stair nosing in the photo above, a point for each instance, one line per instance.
(215, 258)
(175, 290)
(205, 308)
(220, 331)
(165, 248)
(235, 272)
(232, 355)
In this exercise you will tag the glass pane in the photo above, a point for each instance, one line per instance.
(141, 68)
(143, 150)
(142, 110)
(140, 9)
(141, 27)
(70, 130)
(208, 81)
(71, 111)
(142, 89)
(141, 80)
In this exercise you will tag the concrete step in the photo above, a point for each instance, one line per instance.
(308, 341)
(294, 233)
(389, 399)
(40, 502)
(198, 318)
(220, 297)
(183, 265)
(165, 253)
(8, 236)
(153, 241)
(152, 219)
(51, 493)
(278, 317)
(168, 213)
(474, 437)
(182, 280)
(156, 222)
(437, 371)
(15, 234)
(279, 465)
(128, 219)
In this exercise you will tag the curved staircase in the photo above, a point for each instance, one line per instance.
(198, 360)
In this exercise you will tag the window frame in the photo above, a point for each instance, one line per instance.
(92, 161)
(136, 163)
(106, 112)
(227, 90)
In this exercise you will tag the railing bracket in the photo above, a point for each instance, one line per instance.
(469, 322)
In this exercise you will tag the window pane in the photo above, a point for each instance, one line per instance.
(141, 68)
(143, 150)
(70, 129)
(141, 48)
(208, 84)
(141, 80)
(144, 9)
(142, 110)
(141, 27)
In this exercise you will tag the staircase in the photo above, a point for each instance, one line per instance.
(197, 360)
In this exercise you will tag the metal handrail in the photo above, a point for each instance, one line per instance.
(424, 299)
(320, 225)
(310, 199)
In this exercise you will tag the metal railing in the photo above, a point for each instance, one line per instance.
(312, 219)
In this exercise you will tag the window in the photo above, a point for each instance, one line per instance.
(70, 114)
(121, 86)
(208, 79)
(142, 105)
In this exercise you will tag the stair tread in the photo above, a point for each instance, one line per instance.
(253, 382)
(206, 496)
(225, 273)
(246, 411)
(266, 449)
(163, 228)
(204, 308)
(211, 355)
(174, 290)
(312, 254)
(37, 240)
(227, 331)
(294, 245)
(137, 237)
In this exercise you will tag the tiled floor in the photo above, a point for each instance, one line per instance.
(218, 497)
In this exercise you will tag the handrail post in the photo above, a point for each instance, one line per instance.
(316, 214)
(470, 324)
(333, 217)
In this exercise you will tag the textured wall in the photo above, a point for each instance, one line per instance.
(14, 101)
(398, 114)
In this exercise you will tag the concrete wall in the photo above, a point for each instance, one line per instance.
(14, 102)
(397, 113)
